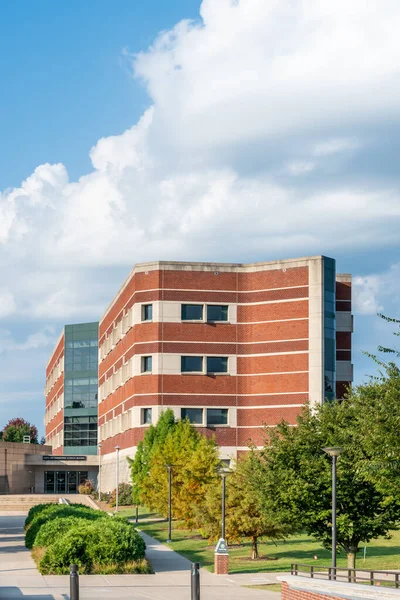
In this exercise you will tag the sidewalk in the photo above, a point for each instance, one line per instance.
(20, 579)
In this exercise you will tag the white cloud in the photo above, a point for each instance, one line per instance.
(299, 167)
(238, 102)
(376, 293)
(7, 304)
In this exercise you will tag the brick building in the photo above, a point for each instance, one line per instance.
(230, 346)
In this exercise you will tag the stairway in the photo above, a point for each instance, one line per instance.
(23, 502)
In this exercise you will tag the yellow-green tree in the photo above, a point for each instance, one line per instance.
(245, 516)
(194, 460)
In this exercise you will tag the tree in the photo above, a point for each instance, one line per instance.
(140, 464)
(297, 483)
(16, 429)
(245, 516)
(194, 459)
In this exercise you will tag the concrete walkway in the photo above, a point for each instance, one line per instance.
(20, 579)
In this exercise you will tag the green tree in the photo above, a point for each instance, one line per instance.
(16, 429)
(140, 464)
(297, 483)
(245, 517)
(194, 459)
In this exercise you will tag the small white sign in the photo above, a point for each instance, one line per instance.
(221, 547)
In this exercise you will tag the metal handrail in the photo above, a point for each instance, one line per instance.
(344, 573)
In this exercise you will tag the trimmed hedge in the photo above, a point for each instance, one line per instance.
(35, 510)
(92, 544)
(57, 511)
(53, 529)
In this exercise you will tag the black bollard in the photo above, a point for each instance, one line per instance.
(73, 583)
(195, 581)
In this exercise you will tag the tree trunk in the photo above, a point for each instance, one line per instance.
(254, 547)
(351, 559)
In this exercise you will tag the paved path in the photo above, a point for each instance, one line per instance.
(20, 579)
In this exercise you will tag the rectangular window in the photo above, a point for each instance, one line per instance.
(217, 313)
(147, 364)
(192, 312)
(217, 416)
(217, 364)
(195, 415)
(146, 416)
(191, 364)
(147, 312)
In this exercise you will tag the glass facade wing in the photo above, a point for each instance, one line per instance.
(81, 388)
(329, 266)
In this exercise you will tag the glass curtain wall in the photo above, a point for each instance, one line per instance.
(81, 388)
(330, 327)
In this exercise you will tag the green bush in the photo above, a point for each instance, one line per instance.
(54, 528)
(87, 487)
(124, 495)
(58, 511)
(35, 510)
(92, 545)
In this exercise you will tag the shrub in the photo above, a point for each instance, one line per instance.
(124, 495)
(52, 530)
(87, 487)
(92, 545)
(33, 512)
(56, 511)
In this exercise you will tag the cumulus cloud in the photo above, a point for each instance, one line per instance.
(379, 292)
(256, 110)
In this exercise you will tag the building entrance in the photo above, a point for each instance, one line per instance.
(66, 482)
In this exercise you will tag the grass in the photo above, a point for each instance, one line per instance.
(270, 587)
(381, 554)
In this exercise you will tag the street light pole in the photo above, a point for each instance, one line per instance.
(99, 482)
(169, 467)
(117, 478)
(334, 452)
(223, 474)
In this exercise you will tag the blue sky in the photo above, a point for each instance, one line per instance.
(243, 130)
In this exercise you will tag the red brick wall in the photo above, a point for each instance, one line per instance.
(291, 594)
(343, 338)
(276, 309)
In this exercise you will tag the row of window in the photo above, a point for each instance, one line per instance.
(193, 364)
(193, 312)
(80, 431)
(214, 416)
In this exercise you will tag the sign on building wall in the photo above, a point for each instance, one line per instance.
(54, 457)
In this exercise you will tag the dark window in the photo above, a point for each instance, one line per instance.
(146, 416)
(147, 312)
(195, 415)
(217, 364)
(217, 313)
(192, 312)
(147, 363)
(80, 431)
(191, 364)
(217, 416)
(80, 392)
(81, 355)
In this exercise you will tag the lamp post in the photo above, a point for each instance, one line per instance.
(169, 468)
(117, 478)
(99, 482)
(334, 452)
(223, 473)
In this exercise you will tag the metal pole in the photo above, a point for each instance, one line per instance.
(99, 473)
(117, 481)
(223, 505)
(334, 458)
(73, 583)
(137, 514)
(169, 504)
(195, 581)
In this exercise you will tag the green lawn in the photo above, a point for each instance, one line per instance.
(381, 554)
